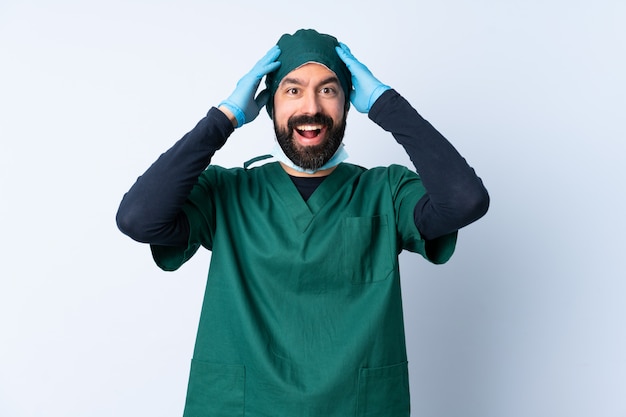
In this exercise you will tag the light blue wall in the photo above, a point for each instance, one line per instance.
(527, 319)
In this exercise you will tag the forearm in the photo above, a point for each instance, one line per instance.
(151, 211)
(455, 194)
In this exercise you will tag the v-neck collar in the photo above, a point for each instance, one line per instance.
(303, 212)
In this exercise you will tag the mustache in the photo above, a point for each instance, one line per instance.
(318, 118)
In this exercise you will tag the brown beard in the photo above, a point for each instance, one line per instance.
(310, 157)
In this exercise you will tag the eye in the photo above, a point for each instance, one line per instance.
(328, 91)
(292, 91)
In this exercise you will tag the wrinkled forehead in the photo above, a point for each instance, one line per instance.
(303, 47)
(307, 70)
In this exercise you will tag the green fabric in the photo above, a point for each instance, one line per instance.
(302, 314)
(307, 45)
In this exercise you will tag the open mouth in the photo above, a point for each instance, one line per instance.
(309, 131)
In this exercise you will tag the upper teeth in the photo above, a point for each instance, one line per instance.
(309, 127)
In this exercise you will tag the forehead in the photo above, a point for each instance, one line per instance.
(310, 72)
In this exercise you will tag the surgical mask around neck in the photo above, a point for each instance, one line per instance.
(339, 156)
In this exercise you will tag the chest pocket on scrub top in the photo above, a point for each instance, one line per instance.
(368, 252)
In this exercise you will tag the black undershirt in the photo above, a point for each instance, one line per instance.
(306, 185)
(151, 211)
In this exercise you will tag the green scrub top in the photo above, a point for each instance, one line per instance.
(302, 314)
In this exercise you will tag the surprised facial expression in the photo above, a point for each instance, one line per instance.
(310, 115)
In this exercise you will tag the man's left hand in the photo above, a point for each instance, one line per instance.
(366, 88)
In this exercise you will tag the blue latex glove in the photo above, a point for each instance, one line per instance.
(366, 87)
(242, 102)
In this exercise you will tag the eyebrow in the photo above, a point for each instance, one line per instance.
(298, 81)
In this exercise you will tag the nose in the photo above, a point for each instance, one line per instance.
(310, 103)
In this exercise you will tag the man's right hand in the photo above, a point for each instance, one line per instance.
(242, 104)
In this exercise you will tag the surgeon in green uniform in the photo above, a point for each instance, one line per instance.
(302, 314)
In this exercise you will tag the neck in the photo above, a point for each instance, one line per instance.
(294, 173)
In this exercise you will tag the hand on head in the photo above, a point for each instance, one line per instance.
(242, 103)
(366, 88)
(243, 107)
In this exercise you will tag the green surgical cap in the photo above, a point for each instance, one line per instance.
(307, 45)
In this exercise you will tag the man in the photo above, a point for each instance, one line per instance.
(302, 313)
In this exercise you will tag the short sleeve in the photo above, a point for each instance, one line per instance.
(199, 210)
(407, 189)
(170, 258)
